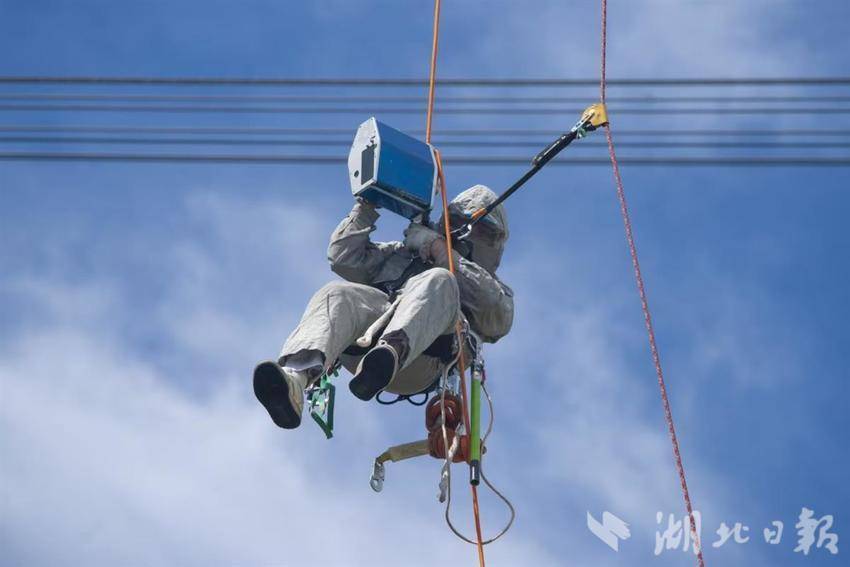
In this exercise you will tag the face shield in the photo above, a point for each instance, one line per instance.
(486, 242)
(483, 231)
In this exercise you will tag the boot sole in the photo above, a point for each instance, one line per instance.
(375, 373)
(272, 390)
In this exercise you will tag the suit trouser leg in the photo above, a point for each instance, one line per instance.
(428, 307)
(336, 316)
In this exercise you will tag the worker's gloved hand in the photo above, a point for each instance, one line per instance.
(422, 240)
(363, 215)
(364, 203)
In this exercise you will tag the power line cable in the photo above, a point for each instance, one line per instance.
(265, 131)
(446, 143)
(790, 161)
(248, 98)
(385, 111)
(416, 82)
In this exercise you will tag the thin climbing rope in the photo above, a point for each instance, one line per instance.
(448, 461)
(458, 330)
(647, 317)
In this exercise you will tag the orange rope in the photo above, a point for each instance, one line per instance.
(448, 234)
(433, 75)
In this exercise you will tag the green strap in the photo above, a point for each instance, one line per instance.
(321, 398)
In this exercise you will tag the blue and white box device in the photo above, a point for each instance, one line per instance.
(392, 170)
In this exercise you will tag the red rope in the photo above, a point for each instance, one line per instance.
(653, 347)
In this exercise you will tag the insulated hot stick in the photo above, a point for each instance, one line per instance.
(592, 118)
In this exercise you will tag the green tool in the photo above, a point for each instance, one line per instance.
(475, 424)
(321, 399)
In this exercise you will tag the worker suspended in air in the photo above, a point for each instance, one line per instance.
(409, 313)
(405, 287)
(391, 322)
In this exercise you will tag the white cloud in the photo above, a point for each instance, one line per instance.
(591, 419)
(119, 464)
(111, 452)
(651, 38)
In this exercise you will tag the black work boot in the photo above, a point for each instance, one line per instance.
(379, 366)
(281, 393)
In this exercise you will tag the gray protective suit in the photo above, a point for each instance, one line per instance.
(387, 281)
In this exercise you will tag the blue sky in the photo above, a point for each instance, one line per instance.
(136, 300)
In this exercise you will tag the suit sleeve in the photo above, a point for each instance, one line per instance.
(351, 253)
(487, 302)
